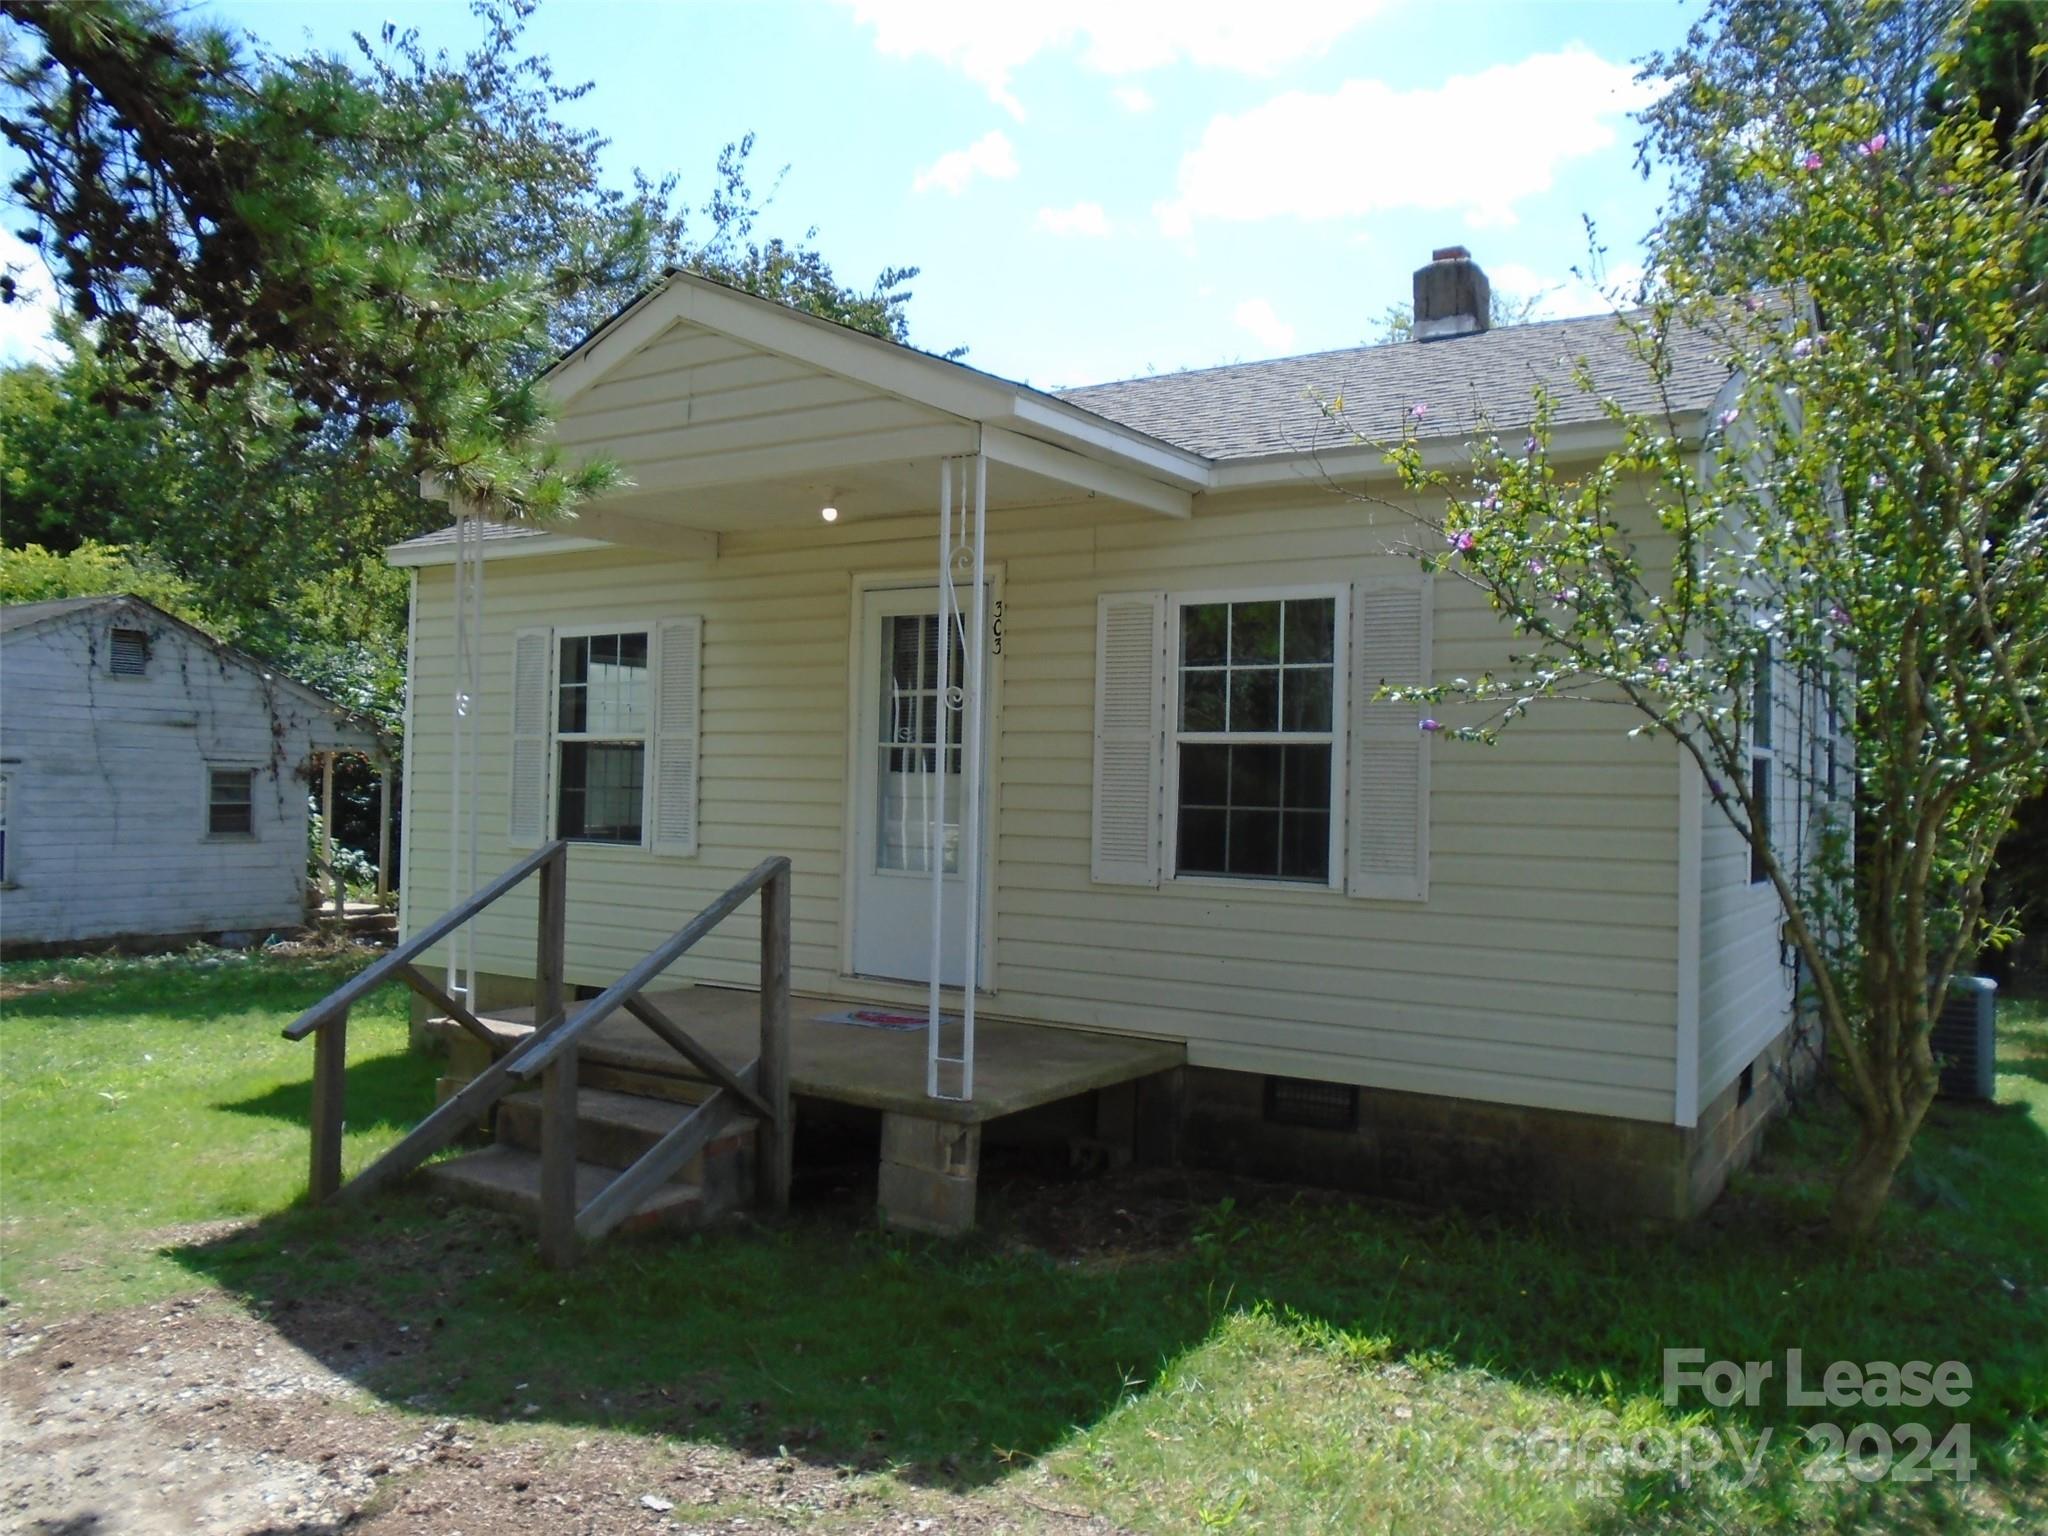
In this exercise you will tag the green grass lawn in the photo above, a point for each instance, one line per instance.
(1267, 1361)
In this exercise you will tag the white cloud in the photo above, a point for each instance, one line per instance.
(1475, 146)
(25, 324)
(1133, 98)
(991, 155)
(1556, 298)
(1082, 219)
(986, 42)
(1257, 317)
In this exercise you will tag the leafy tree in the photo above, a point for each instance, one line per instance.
(385, 253)
(193, 421)
(33, 574)
(1869, 525)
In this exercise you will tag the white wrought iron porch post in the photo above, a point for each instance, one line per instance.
(936, 846)
(963, 529)
(465, 747)
(971, 758)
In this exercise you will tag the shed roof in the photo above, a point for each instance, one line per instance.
(15, 616)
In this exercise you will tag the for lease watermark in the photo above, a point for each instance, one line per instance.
(1842, 1384)
(1832, 1451)
(1867, 1452)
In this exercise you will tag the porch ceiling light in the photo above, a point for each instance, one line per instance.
(829, 513)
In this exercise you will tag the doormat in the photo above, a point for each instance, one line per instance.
(882, 1018)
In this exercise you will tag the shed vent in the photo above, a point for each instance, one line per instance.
(128, 653)
(1964, 1042)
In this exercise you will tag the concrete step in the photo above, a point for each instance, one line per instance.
(613, 1130)
(508, 1179)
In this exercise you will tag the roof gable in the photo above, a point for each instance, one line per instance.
(24, 618)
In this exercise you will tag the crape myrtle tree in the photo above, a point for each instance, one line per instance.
(1867, 521)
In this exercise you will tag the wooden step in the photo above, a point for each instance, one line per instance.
(614, 1130)
(508, 1179)
(600, 1065)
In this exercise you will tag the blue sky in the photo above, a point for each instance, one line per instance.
(1101, 188)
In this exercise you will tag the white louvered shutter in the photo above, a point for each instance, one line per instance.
(1389, 811)
(532, 685)
(677, 734)
(1130, 722)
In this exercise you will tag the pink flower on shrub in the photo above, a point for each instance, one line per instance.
(1430, 725)
(1874, 145)
(1418, 410)
(1813, 161)
(1461, 541)
(1728, 417)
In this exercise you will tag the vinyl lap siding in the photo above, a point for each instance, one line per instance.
(1542, 969)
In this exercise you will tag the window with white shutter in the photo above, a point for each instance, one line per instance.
(532, 720)
(1130, 721)
(1389, 821)
(677, 734)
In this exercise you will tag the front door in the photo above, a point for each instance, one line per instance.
(905, 815)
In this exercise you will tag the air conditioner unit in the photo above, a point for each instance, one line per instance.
(1963, 1040)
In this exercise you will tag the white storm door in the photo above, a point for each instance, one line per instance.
(906, 815)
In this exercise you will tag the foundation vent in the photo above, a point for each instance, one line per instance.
(1311, 1105)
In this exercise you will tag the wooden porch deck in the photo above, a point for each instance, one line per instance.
(930, 1147)
(1016, 1066)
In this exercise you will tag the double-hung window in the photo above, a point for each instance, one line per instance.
(1256, 723)
(231, 802)
(603, 717)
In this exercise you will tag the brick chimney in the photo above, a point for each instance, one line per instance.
(1452, 296)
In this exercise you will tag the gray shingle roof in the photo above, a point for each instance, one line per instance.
(493, 532)
(1248, 410)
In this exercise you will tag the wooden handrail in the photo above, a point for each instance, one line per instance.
(606, 1003)
(390, 967)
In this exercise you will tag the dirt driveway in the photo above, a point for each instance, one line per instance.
(193, 1418)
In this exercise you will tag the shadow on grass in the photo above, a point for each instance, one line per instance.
(851, 1348)
(384, 1093)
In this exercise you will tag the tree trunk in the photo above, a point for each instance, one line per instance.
(1866, 1183)
(1881, 1150)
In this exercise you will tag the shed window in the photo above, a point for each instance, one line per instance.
(1254, 738)
(128, 653)
(230, 802)
(602, 719)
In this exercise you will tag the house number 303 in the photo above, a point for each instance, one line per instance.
(995, 628)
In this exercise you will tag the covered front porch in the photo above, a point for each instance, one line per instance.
(733, 421)
(874, 1059)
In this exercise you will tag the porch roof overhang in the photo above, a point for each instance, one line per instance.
(729, 413)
